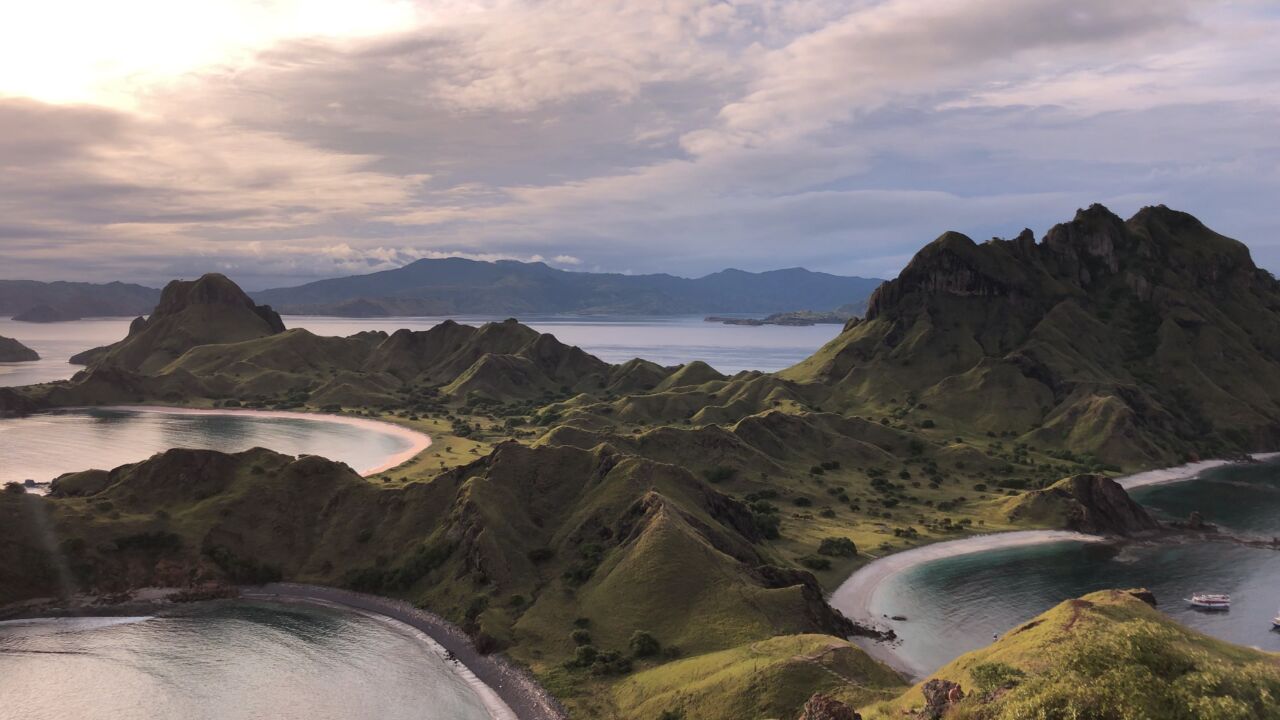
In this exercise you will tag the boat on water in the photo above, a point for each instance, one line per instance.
(1275, 622)
(1210, 601)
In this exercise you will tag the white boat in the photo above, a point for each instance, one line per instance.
(1210, 601)
(1275, 622)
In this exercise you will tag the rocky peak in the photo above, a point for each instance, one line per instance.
(211, 289)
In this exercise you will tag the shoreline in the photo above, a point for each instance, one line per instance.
(853, 597)
(418, 442)
(1187, 471)
(508, 692)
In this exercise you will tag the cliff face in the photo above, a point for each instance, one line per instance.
(1084, 503)
(1138, 341)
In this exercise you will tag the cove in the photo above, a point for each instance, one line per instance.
(230, 660)
(961, 601)
(42, 446)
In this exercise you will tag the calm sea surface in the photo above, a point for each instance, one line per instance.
(958, 604)
(41, 447)
(242, 661)
(664, 340)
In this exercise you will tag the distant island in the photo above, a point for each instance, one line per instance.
(456, 286)
(795, 318)
(13, 351)
(34, 301)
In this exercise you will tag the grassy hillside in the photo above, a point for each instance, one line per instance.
(1141, 341)
(1103, 656)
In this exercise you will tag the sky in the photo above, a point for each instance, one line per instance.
(281, 141)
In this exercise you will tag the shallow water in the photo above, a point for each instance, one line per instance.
(228, 661)
(958, 604)
(41, 447)
(664, 340)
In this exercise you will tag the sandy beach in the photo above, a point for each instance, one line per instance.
(508, 691)
(417, 441)
(855, 595)
(1178, 473)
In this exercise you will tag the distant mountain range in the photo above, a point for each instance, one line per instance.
(53, 301)
(453, 286)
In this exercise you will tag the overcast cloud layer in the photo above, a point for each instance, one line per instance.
(645, 135)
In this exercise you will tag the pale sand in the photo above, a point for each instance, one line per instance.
(1181, 472)
(417, 441)
(854, 596)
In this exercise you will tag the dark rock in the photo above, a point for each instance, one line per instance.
(1106, 507)
(939, 696)
(1144, 595)
(822, 707)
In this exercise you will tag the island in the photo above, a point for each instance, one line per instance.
(657, 541)
(13, 351)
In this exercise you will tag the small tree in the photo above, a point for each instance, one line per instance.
(643, 644)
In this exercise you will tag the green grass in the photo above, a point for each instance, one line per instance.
(1108, 655)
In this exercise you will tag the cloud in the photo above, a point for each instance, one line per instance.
(684, 136)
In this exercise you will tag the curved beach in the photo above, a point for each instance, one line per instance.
(854, 596)
(417, 441)
(508, 691)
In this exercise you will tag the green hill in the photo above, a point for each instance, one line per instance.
(1103, 656)
(1139, 341)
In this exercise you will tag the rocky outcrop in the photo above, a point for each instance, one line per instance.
(939, 696)
(1084, 503)
(1102, 506)
(13, 351)
(823, 707)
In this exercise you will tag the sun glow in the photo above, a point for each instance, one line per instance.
(84, 51)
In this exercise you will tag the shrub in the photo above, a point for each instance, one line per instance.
(992, 676)
(580, 637)
(814, 562)
(802, 502)
(837, 547)
(585, 655)
(643, 644)
(718, 474)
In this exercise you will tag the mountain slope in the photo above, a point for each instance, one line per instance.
(453, 286)
(1140, 341)
(75, 299)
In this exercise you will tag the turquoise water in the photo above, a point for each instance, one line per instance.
(237, 661)
(954, 605)
(41, 447)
